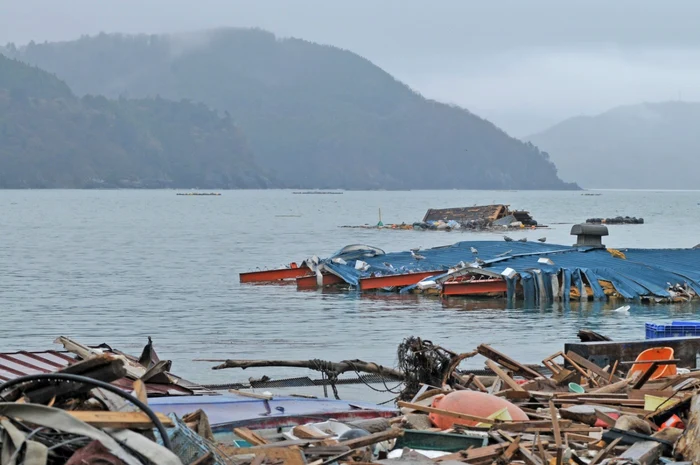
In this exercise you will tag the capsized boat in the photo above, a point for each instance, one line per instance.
(229, 411)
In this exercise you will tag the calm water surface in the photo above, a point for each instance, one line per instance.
(118, 266)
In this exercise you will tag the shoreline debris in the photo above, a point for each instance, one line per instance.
(571, 409)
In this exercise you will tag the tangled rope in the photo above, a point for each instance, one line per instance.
(422, 362)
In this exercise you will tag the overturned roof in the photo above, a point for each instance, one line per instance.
(464, 214)
(634, 273)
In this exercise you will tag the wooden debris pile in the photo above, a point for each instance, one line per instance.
(84, 413)
(573, 412)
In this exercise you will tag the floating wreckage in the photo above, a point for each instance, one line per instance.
(616, 220)
(476, 218)
(532, 271)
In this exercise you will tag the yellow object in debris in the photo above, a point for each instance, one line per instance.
(617, 254)
(652, 403)
(502, 414)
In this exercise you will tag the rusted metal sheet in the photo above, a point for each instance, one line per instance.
(474, 287)
(267, 276)
(465, 214)
(407, 279)
(311, 282)
(16, 364)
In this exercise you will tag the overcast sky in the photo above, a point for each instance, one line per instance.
(523, 64)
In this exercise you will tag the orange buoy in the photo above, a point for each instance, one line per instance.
(643, 363)
(474, 403)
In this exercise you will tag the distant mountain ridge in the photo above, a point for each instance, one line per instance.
(49, 138)
(315, 116)
(644, 146)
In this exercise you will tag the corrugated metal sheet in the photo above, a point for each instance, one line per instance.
(22, 363)
(643, 272)
(436, 259)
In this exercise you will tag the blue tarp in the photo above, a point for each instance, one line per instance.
(643, 272)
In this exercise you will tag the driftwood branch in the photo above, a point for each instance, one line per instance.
(318, 365)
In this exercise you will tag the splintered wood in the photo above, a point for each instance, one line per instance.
(569, 411)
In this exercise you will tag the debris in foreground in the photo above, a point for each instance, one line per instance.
(569, 410)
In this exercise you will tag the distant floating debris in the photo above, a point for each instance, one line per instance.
(616, 220)
(198, 193)
(475, 218)
(318, 192)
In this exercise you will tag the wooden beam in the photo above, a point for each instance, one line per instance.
(587, 364)
(503, 360)
(119, 420)
(504, 376)
(447, 413)
(604, 452)
(250, 436)
(645, 376)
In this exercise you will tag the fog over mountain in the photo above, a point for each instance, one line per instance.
(644, 146)
(523, 65)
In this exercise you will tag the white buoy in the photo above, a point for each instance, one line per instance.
(623, 309)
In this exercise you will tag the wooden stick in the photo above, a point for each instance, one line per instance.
(573, 356)
(604, 452)
(555, 424)
(507, 362)
(120, 420)
(250, 436)
(604, 417)
(447, 413)
(645, 377)
(504, 376)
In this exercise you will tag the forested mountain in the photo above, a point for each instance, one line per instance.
(315, 116)
(50, 138)
(645, 146)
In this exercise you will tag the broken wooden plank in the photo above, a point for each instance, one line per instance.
(477, 453)
(604, 452)
(305, 432)
(509, 452)
(610, 421)
(553, 412)
(118, 420)
(140, 391)
(372, 438)
(504, 360)
(250, 436)
(504, 376)
(645, 376)
(609, 377)
(447, 413)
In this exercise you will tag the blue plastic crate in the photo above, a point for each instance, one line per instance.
(675, 329)
(686, 323)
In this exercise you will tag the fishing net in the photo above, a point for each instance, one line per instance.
(422, 362)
